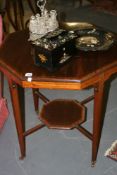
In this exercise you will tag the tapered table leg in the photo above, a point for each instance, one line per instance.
(17, 97)
(36, 99)
(98, 119)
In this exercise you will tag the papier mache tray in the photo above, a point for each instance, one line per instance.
(94, 39)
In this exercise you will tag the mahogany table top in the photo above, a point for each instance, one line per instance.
(16, 61)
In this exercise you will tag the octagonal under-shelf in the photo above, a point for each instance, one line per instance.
(62, 114)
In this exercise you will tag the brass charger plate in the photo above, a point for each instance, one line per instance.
(75, 25)
(94, 39)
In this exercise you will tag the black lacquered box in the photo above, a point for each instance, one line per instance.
(54, 49)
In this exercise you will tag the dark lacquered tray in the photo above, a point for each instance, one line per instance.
(94, 39)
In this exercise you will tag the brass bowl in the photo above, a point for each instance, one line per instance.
(75, 25)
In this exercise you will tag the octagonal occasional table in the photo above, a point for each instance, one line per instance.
(86, 69)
